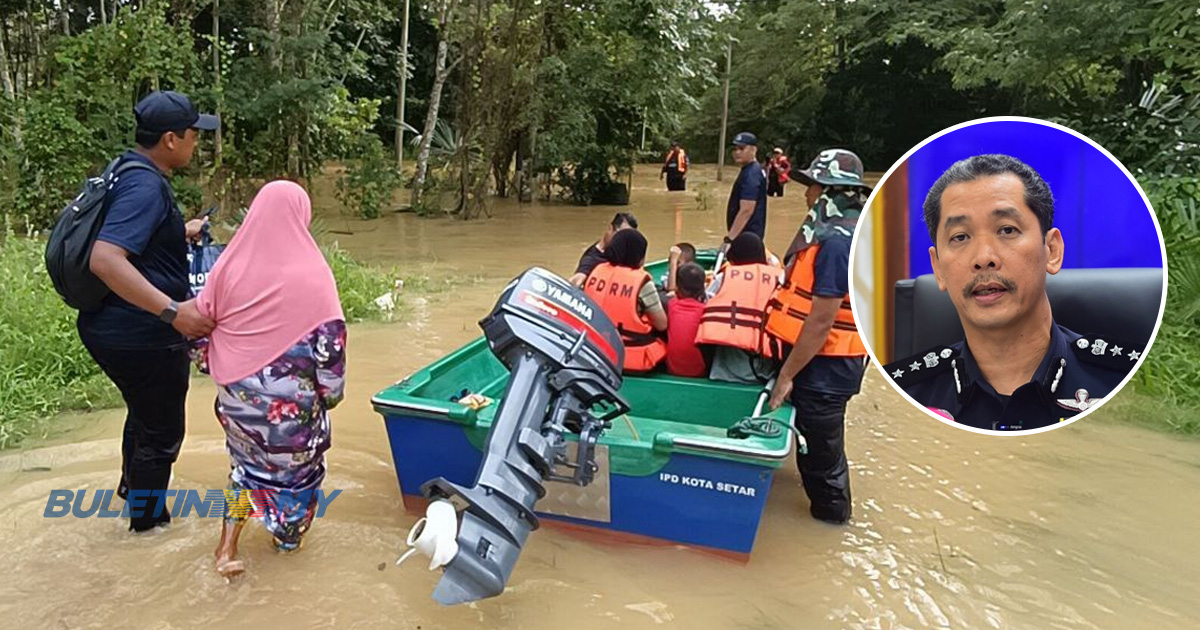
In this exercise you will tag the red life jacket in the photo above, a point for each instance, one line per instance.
(683, 355)
(736, 316)
(615, 290)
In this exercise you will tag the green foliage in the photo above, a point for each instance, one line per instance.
(74, 125)
(370, 180)
(43, 366)
(781, 53)
(358, 284)
(609, 70)
(1170, 371)
(285, 110)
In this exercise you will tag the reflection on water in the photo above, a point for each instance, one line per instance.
(1091, 526)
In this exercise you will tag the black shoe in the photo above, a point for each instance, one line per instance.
(122, 489)
(832, 516)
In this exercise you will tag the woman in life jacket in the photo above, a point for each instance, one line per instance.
(735, 315)
(628, 296)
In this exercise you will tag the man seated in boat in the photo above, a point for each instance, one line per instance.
(594, 254)
(625, 292)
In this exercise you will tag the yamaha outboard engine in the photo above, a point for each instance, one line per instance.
(564, 356)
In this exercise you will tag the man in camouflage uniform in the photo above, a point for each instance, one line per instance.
(825, 365)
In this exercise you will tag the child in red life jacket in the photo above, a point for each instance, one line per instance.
(683, 319)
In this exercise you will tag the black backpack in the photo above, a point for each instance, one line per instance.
(69, 248)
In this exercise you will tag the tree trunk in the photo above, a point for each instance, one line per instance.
(64, 16)
(103, 13)
(10, 90)
(435, 99)
(216, 31)
(401, 92)
(274, 18)
(35, 42)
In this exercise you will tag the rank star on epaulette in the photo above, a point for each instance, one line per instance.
(915, 368)
(1110, 353)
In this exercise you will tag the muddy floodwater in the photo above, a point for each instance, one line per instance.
(1091, 526)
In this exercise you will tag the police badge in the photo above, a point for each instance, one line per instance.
(1082, 401)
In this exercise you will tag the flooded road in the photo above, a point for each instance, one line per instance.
(1090, 526)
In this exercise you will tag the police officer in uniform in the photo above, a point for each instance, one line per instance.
(991, 220)
(811, 313)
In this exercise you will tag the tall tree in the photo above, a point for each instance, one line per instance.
(441, 73)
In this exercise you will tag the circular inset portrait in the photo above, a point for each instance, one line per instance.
(1008, 275)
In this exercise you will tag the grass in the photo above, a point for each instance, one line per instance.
(1166, 389)
(1134, 408)
(44, 368)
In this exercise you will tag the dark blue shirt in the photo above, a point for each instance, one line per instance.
(751, 185)
(142, 219)
(1076, 372)
(839, 376)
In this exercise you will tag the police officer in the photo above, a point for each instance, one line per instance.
(747, 207)
(991, 219)
(811, 311)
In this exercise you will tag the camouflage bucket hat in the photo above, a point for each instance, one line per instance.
(833, 167)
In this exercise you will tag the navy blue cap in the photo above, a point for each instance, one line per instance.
(745, 138)
(160, 112)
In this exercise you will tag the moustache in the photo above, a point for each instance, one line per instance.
(1008, 285)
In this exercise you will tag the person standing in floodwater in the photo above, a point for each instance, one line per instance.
(778, 171)
(824, 368)
(675, 167)
(137, 336)
(747, 208)
(278, 357)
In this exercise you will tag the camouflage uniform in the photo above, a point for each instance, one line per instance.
(821, 390)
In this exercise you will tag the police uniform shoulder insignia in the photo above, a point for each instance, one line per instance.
(1107, 352)
(921, 366)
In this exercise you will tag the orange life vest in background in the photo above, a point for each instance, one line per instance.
(736, 316)
(615, 290)
(792, 303)
(679, 157)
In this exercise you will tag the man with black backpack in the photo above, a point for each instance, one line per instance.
(138, 333)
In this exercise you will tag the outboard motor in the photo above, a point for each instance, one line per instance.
(564, 357)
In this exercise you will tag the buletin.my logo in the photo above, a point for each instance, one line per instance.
(204, 503)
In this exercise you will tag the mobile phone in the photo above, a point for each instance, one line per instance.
(209, 213)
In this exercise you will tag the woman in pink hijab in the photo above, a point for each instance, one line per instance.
(277, 355)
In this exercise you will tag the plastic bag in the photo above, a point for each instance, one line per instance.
(202, 257)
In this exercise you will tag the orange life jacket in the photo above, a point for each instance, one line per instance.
(772, 259)
(792, 303)
(615, 290)
(736, 316)
(681, 161)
